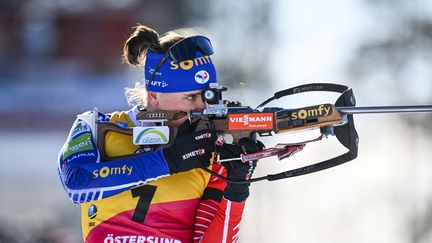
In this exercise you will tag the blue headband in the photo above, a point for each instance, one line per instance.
(183, 76)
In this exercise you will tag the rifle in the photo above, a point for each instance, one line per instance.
(232, 121)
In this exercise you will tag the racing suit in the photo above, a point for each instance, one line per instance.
(136, 199)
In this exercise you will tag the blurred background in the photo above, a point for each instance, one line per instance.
(59, 58)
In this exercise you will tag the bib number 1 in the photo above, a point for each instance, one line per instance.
(145, 194)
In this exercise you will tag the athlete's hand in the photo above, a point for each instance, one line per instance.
(238, 170)
(190, 150)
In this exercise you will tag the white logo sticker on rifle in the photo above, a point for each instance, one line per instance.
(151, 135)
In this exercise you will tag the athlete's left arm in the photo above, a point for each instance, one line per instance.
(217, 219)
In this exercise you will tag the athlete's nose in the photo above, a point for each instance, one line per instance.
(200, 105)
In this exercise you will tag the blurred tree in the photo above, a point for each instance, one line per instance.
(397, 54)
(91, 33)
(243, 33)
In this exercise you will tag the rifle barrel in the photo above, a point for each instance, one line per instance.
(384, 109)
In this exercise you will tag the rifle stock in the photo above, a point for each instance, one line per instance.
(237, 124)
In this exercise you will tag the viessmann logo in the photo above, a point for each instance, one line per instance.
(258, 121)
(150, 135)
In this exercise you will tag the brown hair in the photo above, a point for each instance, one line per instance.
(144, 38)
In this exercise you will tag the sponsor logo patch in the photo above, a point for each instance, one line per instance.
(108, 171)
(312, 112)
(92, 211)
(246, 121)
(76, 156)
(202, 77)
(151, 135)
(202, 136)
(189, 64)
(162, 84)
(80, 128)
(193, 154)
(79, 144)
(111, 238)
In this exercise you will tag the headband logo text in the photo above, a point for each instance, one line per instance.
(189, 64)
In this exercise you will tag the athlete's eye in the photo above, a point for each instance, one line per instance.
(192, 97)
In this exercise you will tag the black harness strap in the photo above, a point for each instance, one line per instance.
(305, 88)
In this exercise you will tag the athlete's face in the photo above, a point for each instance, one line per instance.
(182, 101)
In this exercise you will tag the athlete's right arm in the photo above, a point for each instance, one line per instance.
(85, 179)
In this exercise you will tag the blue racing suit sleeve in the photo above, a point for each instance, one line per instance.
(85, 179)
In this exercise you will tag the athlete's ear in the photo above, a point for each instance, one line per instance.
(152, 99)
